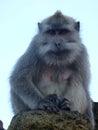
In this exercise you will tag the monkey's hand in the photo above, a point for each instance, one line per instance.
(50, 103)
(65, 104)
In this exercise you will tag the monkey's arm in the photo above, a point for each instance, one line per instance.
(21, 80)
(78, 91)
(24, 91)
(22, 86)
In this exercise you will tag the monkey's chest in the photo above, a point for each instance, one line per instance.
(51, 83)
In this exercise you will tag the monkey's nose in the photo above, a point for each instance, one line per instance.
(58, 44)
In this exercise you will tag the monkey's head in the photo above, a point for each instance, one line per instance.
(58, 40)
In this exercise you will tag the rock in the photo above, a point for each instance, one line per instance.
(40, 120)
(96, 114)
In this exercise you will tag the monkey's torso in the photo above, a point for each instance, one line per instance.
(59, 81)
(54, 81)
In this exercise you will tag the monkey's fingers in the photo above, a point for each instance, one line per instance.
(53, 99)
(54, 109)
(48, 106)
(65, 104)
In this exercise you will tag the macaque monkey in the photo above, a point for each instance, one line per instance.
(53, 74)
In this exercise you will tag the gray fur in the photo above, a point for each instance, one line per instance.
(53, 65)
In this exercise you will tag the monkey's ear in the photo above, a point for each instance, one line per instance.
(77, 26)
(40, 26)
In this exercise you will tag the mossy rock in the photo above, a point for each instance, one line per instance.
(39, 120)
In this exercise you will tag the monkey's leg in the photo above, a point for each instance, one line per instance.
(21, 106)
(90, 115)
(78, 98)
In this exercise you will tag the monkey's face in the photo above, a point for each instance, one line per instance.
(59, 42)
(59, 46)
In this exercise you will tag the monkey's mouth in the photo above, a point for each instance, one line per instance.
(60, 53)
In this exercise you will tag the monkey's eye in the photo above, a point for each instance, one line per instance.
(63, 31)
(51, 32)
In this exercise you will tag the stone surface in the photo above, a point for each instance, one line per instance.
(39, 120)
(96, 114)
